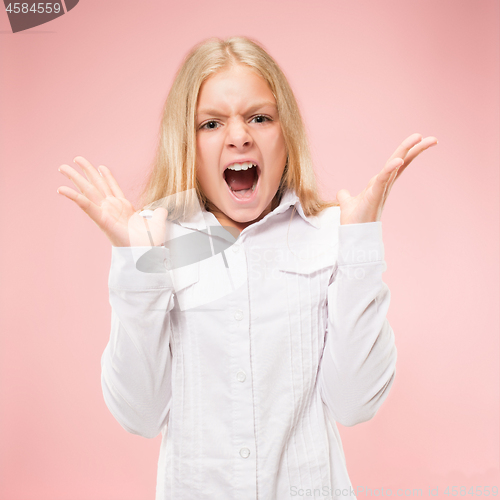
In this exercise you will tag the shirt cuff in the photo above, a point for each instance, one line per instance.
(360, 243)
(132, 269)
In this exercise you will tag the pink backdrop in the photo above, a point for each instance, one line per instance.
(367, 74)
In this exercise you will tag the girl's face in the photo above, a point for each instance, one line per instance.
(237, 125)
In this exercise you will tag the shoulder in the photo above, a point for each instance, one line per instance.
(328, 220)
(319, 229)
(329, 214)
(316, 237)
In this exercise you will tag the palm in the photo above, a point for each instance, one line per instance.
(114, 216)
(368, 205)
(364, 202)
(103, 201)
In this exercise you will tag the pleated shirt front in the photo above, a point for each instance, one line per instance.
(245, 361)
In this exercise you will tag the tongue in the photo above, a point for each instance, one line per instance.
(240, 179)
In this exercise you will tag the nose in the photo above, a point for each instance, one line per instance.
(238, 135)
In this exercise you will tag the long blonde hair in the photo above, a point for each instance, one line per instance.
(173, 174)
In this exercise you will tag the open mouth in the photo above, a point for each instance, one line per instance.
(242, 179)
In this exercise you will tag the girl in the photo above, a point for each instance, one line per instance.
(245, 357)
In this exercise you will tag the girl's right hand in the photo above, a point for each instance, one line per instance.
(103, 201)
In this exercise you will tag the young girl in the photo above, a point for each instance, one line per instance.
(245, 344)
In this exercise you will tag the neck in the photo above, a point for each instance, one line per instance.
(225, 221)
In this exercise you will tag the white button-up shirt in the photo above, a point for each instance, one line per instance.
(246, 360)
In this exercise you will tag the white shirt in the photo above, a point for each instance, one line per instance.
(246, 369)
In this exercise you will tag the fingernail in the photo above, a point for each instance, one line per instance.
(58, 191)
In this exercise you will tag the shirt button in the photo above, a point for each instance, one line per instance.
(238, 315)
(245, 452)
(235, 248)
(241, 376)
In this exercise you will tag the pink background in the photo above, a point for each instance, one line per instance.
(367, 74)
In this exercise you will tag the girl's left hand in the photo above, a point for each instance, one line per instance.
(368, 205)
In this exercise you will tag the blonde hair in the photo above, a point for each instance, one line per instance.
(173, 174)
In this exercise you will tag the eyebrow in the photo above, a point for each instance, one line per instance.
(255, 107)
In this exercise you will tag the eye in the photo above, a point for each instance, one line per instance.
(261, 118)
(208, 124)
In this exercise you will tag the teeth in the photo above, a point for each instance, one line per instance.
(241, 166)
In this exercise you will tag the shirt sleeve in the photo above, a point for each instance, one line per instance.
(359, 359)
(136, 365)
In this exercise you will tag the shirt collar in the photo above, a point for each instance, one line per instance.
(289, 199)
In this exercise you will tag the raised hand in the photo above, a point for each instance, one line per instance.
(367, 206)
(101, 198)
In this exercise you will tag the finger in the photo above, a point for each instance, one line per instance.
(343, 195)
(386, 175)
(405, 146)
(412, 154)
(93, 176)
(160, 215)
(85, 187)
(91, 209)
(416, 150)
(115, 188)
(371, 181)
(391, 182)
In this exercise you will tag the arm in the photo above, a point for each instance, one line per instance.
(137, 362)
(359, 359)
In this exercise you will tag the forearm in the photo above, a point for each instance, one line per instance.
(359, 359)
(137, 362)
